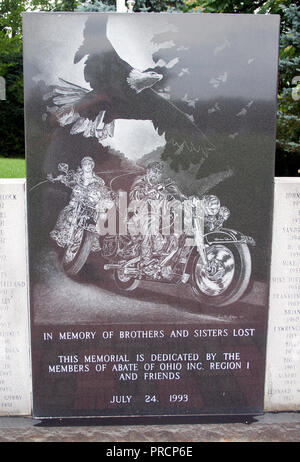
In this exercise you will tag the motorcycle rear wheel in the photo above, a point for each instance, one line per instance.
(72, 265)
(227, 278)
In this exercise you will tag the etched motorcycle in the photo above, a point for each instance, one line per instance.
(76, 229)
(217, 266)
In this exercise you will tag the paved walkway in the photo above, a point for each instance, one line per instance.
(270, 427)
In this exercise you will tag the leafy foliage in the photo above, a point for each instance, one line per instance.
(288, 120)
(97, 5)
(11, 109)
(11, 68)
(233, 6)
(159, 6)
(156, 6)
(289, 67)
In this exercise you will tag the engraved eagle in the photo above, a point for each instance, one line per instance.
(118, 91)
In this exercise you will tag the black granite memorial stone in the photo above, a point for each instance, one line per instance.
(150, 144)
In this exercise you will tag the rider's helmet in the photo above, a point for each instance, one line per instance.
(156, 166)
(154, 172)
(88, 159)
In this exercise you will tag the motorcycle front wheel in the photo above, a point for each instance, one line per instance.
(76, 254)
(226, 277)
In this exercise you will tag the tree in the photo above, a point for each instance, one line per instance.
(11, 69)
(233, 6)
(288, 126)
(288, 120)
(139, 6)
(11, 110)
(97, 5)
(159, 6)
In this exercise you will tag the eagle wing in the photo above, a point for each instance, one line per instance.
(68, 102)
(186, 143)
(65, 95)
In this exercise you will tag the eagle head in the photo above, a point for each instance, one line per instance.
(139, 81)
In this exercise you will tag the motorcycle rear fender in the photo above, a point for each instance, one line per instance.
(224, 236)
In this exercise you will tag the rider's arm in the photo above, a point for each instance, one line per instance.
(70, 179)
(137, 191)
(51, 178)
(175, 192)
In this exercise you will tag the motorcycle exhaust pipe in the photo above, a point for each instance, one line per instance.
(132, 271)
(109, 266)
(113, 266)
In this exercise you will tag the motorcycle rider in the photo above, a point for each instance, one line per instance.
(149, 192)
(84, 182)
(152, 186)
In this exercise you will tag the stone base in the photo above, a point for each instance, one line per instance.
(270, 427)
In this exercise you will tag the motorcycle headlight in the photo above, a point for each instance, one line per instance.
(62, 167)
(211, 205)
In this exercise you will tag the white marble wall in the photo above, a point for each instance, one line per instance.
(15, 377)
(282, 389)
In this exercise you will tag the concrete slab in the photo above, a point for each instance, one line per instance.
(271, 427)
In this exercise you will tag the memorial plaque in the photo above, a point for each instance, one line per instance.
(282, 391)
(15, 376)
(150, 156)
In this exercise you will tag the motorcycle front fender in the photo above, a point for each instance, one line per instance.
(221, 236)
(225, 236)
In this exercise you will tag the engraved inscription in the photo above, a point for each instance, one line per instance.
(283, 349)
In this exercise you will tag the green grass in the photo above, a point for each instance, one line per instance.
(12, 168)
